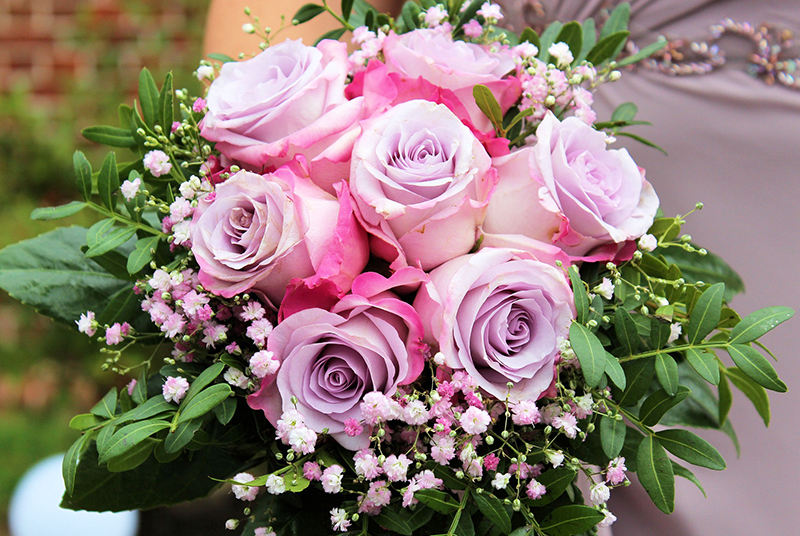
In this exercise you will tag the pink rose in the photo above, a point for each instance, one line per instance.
(370, 341)
(453, 65)
(571, 190)
(287, 100)
(421, 180)
(259, 232)
(499, 315)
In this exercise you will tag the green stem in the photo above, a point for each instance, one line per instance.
(337, 17)
(127, 221)
(669, 350)
(457, 516)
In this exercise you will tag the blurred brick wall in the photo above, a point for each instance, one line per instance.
(55, 48)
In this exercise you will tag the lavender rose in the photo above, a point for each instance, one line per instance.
(571, 190)
(499, 315)
(259, 232)
(287, 100)
(370, 341)
(454, 65)
(421, 180)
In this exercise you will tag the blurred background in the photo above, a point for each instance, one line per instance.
(67, 64)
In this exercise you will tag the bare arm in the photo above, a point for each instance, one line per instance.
(225, 19)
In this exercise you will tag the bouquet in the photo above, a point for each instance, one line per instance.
(409, 289)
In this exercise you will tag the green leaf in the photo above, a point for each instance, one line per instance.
(759, 323)
(222, 58)
(639, 375)
(556, 481)
(123, 306)
(704, 363)
(548, 38)
(225, 411)
(756, 366)
(108, 181)
(590, 353)
(151, 484)
(347, 8)
(104, 435)
(607, 48)
(84, 421)
(111, 240)
(691, 448)
(83, 174)
(656, 405)
(683, 472)
(166, 106)
(571, 34)
(612, 435)
(148, 97)
(625, 328)
(446, 474)
(56, 213)
(465, 527)
(617, 21)
(580, 295)
(589, 39)
(334, 34)
(440, 501)
(725, 399)
(182, 435)
(394, 521)
(645, 52)
(570, 519)
(667, 373)
(150, 408)
(625, 112)
(107, 135)
(655, 474)
(659, 332)
(643, 141)
(488, 104)
(69, 464)
(142, 254)
(530, 35)
(706, 313)
(615, 371)
(491, 507)
(410, 15)
(469, 13)
(205, 378)
(203, 402)
(307, 12)
(666, 229)
(757, 394)
(132, 458)
(130, 435)
(107, 405)
(708, 268)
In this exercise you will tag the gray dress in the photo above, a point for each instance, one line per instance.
(734, 143)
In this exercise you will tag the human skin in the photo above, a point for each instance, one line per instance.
(225, 19)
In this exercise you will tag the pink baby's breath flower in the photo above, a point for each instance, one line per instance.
(473, 29)
(312, 471)
(362, 34)
(332, 479)
(475, 421)
(583, 406)
(375, 407)
(535, 490)
(608, 520)
(568, 424)
(561, 53)
(175, 388)
(180, 209)
(415, 413)
(263, 364)
(396, 467)
(352, 428)
(339, 519)
(175, 126)
(242, 491)
(173, 325)
(490, 11)
(435, 15)
(379, 494)
(491, 461)
(233, 349)
(87, 324)
(214, 333)
(116, 334)
(198, 105)
(525, 413)
(275, 484)
(367, 464)
(129, 188)
(236, 377)
(157, 163)
(443, 449)
(252, 310)
(303, 439)
(259, 330)
(131, 386)
(648, 242)
(615, 473)
(205, 313)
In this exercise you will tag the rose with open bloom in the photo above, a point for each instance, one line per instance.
(259, 232)
(455, 65)
(571, 190)
(370, 341)
(421, 180)
(498, 315)
(289, 99)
